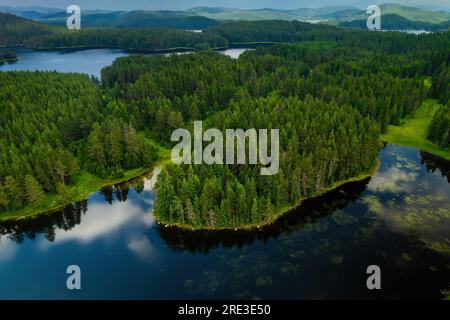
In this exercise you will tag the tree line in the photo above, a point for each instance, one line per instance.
(52, 127)
(19, 31)
(150, 39)
(439, 131)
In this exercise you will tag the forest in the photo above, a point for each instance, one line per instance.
(330, 91)
(16, 31)
(327, 99)
(52, 127)
(19, 31)
(151, 39)
(397, 22)
(138, 18)
(439, 131)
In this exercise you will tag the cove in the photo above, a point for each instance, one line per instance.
(90, 62)
(399, 220)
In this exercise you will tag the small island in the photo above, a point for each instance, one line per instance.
(8, 56)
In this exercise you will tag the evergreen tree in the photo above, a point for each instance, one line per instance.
(33, 190)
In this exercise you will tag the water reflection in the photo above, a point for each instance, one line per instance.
(64, 220)
(90, 61)
(392, 179)
(412, 198)
(309, 212)
(109, 209)
(399, 219)
(436, 164)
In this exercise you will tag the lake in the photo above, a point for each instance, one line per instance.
(399, 220)
(86, 61)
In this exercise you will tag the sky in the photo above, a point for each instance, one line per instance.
(186, 4)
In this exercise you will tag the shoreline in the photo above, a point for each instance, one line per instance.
(236, 45)
(412, 132)
(278, 214)
(22, 214)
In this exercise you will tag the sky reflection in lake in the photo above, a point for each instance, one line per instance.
(399, 219)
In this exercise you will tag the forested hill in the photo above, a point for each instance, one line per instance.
(295, 31)
(35, 35)
(396, 22)
(20, 31)
(340, 93)
(129, 39)
(138, 19)
(15, 30)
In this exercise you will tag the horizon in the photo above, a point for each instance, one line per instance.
(181, 5)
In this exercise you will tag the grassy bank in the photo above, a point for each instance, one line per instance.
(280, 212)
(83, 186)
(413, 132)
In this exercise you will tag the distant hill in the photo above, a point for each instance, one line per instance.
(396, 22)
(204, 17)
(15, 30)
(335, 13)
(219, 13)
(410, 13)
(323, 12)
(119, 19)
(415, 14)
(31, 12)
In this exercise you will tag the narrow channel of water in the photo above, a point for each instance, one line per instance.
(85, 61)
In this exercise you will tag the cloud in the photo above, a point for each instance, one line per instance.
(142, 248)
(100, 221)
(393, 180)
(8, 249)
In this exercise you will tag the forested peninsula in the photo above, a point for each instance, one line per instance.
(330, 91)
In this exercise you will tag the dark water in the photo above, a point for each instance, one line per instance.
(86, 61)
(399, 220)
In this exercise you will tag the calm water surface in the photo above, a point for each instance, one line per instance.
(86, 61)
(399, 219)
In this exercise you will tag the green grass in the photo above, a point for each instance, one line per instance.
(84, 185)
(413, 132)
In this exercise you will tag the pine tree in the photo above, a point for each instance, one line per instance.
(255, 211)
(33, 190)
(63, 193)
(4, 201)
(190, 213)
(13, 192)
